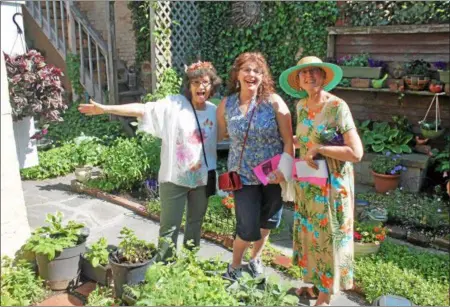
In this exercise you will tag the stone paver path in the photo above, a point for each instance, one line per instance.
(107, 219)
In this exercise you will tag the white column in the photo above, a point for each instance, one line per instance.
(15, 229)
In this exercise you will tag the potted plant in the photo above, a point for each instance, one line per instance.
(95, 262)
(368, 237)
(444, 73)
(436, 86)
(58, 250)
(431, 130)
(386, 169)
(360, 66)
(131, 260)
(35, 90)
(417, 74)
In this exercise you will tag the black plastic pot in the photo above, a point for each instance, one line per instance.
(100, 274)
(64, 270)
(127, 274)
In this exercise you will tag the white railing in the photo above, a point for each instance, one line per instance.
(69, 30)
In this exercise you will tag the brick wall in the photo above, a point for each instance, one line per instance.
(125, 40)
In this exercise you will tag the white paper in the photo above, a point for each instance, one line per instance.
(304, 170)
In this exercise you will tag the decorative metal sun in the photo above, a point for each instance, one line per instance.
(246, 13)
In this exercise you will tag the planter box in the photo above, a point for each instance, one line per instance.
(444, 76)
(360, 83)
(361, 72)
(411, 180)
(100, 274)
(363, 249)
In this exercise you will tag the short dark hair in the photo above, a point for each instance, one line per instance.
(211, 72)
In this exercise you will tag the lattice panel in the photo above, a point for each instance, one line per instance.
(176, 24)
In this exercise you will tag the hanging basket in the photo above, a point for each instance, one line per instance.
(417, 83)
(424, 126)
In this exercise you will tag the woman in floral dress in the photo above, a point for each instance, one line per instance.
(323, 220)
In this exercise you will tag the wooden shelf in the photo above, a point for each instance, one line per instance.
(386, 90)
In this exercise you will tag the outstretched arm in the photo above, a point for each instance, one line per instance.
(221, 122)
(94, 108)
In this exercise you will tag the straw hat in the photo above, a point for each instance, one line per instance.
(289, 78)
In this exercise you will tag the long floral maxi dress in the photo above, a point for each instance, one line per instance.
(323, 218)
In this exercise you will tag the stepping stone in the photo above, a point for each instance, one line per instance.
(86, 288)
(283, 261)
(63, 299)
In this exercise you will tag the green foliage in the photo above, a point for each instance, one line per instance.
(387, 164)
(417, 68)
(413, 211)
(76, 124)
(219, 219)
(48, 240)
(128, 162)
(381, 137)
(169, 84)
(283, 29)
(73, 72)
(141, 26)
(98, 253)
(442, 158)
(134, 250)
(102, 296)
(361, 60)
(420, 277)
(63, 160)
(380, 13)
(19, 284)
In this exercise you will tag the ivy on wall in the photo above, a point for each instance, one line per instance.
(380, 13)
(140, 15)
(283, 29)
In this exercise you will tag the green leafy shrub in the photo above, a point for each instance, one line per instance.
(97, 253)
(48, 240)
(442, 158)
(76, 124)
(381, 13)
(360, 60)
(102, 296)
(128, 162)
(19, 284)
(169, 84)
(420, 277)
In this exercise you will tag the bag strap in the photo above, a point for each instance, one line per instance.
(246, 135)
(201, 134)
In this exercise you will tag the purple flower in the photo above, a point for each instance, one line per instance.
(404, 168)
(393, 172)
(388, 153)
(440, 65)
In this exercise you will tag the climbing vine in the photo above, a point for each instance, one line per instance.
(284, 29)
(380, 13)
(73, 72)
(140, 14)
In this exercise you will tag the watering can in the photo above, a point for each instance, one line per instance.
(379, 83)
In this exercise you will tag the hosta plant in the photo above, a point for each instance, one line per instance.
(35, 88)
(51, 239)
(132, 249)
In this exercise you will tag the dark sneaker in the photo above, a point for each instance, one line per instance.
(256, 267)
(232, 274)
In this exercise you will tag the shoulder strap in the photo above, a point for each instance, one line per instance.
(246, 134)
(201, 134)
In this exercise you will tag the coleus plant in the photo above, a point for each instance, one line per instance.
(35, 87)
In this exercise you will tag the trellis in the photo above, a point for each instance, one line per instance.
(174, 36)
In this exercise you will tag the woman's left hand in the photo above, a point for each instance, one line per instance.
(310, 154)
(276, 177)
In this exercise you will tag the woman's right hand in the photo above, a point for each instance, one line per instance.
(93, 108)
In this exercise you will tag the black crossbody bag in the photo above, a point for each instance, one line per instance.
(211, 183)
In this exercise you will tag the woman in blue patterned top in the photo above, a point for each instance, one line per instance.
(258, 207)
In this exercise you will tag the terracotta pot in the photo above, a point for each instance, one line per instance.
(384, 183)
(363, 249)
(360, 83)
(417, 83)
(436, 88)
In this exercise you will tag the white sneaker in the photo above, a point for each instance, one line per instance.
(256, 267)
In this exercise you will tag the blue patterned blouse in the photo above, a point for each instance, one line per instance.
(263, 142)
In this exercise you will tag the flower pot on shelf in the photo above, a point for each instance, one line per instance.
(360, 83)
(444, 76)
(435, 88)
(363, 249)
(395, 84)
(417, 83)
(384, 183)
(361, 72)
